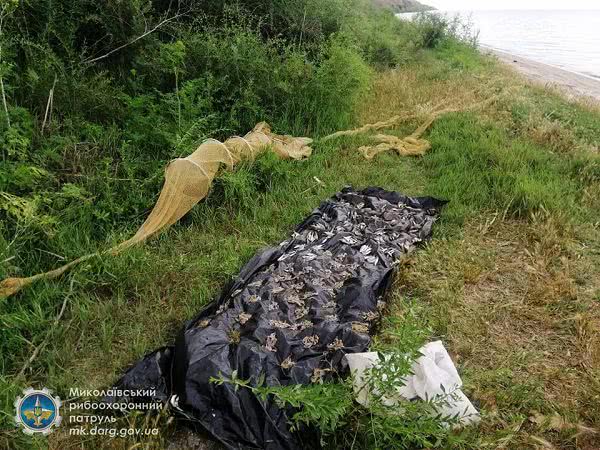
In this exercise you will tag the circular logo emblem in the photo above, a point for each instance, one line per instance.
(37, 411)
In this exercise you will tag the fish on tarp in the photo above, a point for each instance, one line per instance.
(289, 317)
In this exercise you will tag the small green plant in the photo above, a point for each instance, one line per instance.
(325, 405)
(385, 423)
(16, 139)
(341, 423)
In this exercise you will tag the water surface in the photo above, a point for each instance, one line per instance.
(568, 39)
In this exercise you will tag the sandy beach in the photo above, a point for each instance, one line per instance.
(572, 83)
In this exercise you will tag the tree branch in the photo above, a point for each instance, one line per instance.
(2, 91)
(49, 104)
(133, 41)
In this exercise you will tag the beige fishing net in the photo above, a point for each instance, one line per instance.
(187, 180)
(411, 145)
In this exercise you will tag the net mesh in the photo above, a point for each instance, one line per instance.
(187, 181)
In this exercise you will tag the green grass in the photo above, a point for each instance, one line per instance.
(477, 167)
(509, 282)
(117, 300)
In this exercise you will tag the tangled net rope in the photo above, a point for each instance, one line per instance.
(411, 145)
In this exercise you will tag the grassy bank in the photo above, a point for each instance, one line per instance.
(509, 283)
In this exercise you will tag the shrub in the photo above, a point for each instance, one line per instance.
(15, 141)
(340, 82)
(435, 29)
(325, 101)
(381, 37)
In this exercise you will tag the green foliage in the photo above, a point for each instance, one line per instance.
(384, 40)
(475, 168)
(460, 57)
(239, 187)
(111, 125)
(324, 405)
(417, 426)
(406, 331)
(327, 406)
(15, 141)
(433, 29)
(384, 424)
(404, 425)
(271, 171)
(436, 28)
(328, 99)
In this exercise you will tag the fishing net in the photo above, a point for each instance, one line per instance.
(187, 181)
(411, 145)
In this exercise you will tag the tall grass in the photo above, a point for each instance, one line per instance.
(473, 166)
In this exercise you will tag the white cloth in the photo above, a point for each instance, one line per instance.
(434, 378)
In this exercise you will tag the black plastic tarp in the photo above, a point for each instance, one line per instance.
(289, 317)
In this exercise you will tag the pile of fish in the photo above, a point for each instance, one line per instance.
(289, 317)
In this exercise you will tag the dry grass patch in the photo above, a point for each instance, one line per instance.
(515, 304)
(516, 301)
(403, 90)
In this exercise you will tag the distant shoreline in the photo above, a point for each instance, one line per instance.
(572, 83)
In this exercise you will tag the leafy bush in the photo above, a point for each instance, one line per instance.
(325, 99)
(435, 29)
(15, 141)
(384, 40)
(97, 105)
